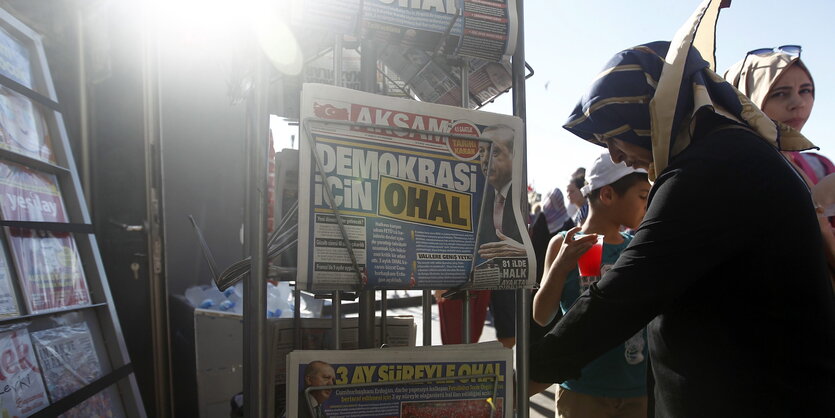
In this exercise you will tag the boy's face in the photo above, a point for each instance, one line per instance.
(632, 205)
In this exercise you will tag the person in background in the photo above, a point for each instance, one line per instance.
(556, 216)
(536, 209)
(740, 322)
(552, 220)
(578, 205)
(613, 385)
(780, 84)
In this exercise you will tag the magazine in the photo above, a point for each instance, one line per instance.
(22, 391)
(69, 362)
(15, 59)
(8, 301)
(22, 127)
(48, 263)
(471, 380)
(422, 205)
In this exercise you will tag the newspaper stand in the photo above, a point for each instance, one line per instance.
(255, 390)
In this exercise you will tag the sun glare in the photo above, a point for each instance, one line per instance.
(228, 26)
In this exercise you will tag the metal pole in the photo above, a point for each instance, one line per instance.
(154, 210)
(336, 302)
(427, 317)
(466, 330)
(83, 110)
(368, 80)
(297, 317)
(523, 296)
(255, 308)
(383, 316)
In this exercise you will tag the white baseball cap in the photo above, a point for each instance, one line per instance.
(605, 172)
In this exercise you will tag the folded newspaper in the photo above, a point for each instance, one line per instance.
(472, 380)
(400, 194)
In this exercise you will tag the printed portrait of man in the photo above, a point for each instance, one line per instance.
(317, 373)
(499, 236)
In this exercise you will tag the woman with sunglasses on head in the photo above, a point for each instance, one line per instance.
(740, 320)
(780, 84)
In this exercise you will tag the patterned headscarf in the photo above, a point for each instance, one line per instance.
(647, 96)
(554, 211)
(760, 73)
(754, 76)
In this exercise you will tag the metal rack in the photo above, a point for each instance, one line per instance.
(255, 361)
(100, 314)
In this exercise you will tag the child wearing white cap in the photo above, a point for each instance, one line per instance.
(615, 383)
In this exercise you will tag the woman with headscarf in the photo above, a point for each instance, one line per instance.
(780, 84)
(740, 320)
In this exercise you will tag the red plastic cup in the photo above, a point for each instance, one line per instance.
(589, 262)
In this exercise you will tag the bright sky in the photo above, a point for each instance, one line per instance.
(568, 42)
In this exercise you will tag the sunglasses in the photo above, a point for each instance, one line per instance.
(793, 50)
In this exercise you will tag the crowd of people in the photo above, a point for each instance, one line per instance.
(716, 294)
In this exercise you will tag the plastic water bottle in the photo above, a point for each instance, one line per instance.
(277, 306)
(194, 295)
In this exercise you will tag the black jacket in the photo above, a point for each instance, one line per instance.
(728, 272)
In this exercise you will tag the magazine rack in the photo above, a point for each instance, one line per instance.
(25, 72)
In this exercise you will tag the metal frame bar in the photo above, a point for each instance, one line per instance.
(255, 310)
(523, 295)
(336, 301)
(368, 83)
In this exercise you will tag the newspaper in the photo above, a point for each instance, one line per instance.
(22, 391)
(48, 263)
(484, 29)
(472, 380)
(414, 40)
(420, 208)
(438, 81)
(69, 362)
(317, 334)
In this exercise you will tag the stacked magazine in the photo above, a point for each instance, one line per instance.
(69, 362)
(22, 391)
(22, 127)
(48, 265)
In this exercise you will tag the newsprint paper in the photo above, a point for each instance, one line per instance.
(420, 208)
(467, 380)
